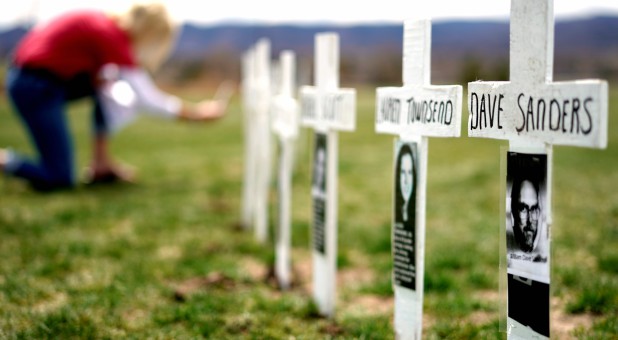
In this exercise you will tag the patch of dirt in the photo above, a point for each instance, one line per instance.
(332, 329)
(303, 272)
(481, 317)
(123, 228)
(218, 205)
(490, 295)
(350, 277)
(238, 227)
(371, 305)
(563, 324)
(428, 322)
(135, 318)
(354, 277)
(53, 303)
(213, 248)
(256, 270)
(169, 252)
(214, 280)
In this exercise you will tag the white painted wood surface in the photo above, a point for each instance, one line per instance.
(415, 112)
(531, 107)
(250, 157)
(418, 108)
(262, 139)
(327, 109)
(285, 126)
(534, 113)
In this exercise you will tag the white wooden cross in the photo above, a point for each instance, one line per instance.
(250, 158)
(534, 113)
(326, 108)
(414, 112)
(261, 139)
(285, 125)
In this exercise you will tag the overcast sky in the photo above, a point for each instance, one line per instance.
(295, 11)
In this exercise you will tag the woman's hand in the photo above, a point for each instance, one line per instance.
(204, 110)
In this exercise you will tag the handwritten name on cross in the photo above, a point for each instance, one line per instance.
(531, 107)
(285, 126)
(418, 108)
(534, 113)
(414, 112)
(326, 108)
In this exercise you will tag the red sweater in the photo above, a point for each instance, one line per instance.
(74, 43)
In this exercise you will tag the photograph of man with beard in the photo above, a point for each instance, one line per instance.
(527, 241)
(526, 232)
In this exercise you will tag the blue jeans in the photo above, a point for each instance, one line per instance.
(40, 100)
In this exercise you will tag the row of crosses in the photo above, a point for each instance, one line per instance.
(530, 111)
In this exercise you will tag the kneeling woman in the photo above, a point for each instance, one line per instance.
(70, 57)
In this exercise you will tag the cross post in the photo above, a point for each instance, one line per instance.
(262, 138)
(327, 109)
(285, 125)
(250, 159)
(414, 112)
(533, 113)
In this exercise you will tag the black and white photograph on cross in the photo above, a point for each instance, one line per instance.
(318, 191)
(527, 234)
(527, 245)
(404, 224)
(302, 169)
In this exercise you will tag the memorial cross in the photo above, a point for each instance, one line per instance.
(327, 109)
(414, 112)
(533, 113)
(262, 137)
(285, 125)
(250, 158)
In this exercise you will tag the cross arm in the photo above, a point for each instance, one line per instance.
(560, 113)
(432, 111)
(332, 109)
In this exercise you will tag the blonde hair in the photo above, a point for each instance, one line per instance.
(151, 30)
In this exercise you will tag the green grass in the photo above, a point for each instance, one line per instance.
(106, 262)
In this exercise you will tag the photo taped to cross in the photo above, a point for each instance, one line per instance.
(527, 231)
(527, 244)
(404, 221)
(318, 192)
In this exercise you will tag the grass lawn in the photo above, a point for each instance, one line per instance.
(165, 259)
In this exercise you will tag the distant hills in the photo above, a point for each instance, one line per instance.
(587, 47)
(596, 33)
(9, 39)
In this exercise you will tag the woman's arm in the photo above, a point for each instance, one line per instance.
(156, 102)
